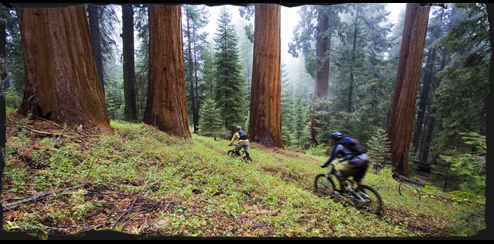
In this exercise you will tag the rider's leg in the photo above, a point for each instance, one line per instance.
(238, 146)
(245, 146)
(345, 171)
(360, 173)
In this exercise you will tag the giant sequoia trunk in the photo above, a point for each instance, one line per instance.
(408, 76)
(265, 103)
(96, 40)
(62, 82)
(166, 106)
(322, 67)
(129, 76)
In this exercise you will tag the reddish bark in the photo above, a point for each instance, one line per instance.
(409, 67)
(166, 106)
(265, 104)
(322, 72)
(62, 82)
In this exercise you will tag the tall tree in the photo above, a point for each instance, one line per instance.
(317, 61)
(195, 19)
(429, 71)
(62, 82)
(460, 101)
(14, 57)
(129, 78)
(409, 66)
(360, 86)
(94, 27)
(142, 59)
(166, 105)
(265, 105)
(229, 81)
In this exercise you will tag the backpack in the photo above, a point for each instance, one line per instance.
(243, 135)
(353, 145)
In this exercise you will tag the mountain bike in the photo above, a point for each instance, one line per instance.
(364, 197)
(243, 155)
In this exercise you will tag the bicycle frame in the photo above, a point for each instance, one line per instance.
(363, 195)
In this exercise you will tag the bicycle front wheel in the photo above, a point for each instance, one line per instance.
(324, 185)
(368, 199)
(247, 159)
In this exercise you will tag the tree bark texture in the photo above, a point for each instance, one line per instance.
(96, 41)
(265, 104)
(62, 81)
(322, 67)
(408, 76)
(166, 106)
(129, 77)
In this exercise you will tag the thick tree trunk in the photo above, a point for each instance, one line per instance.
(265, 104)
(96, 41)
(166, 106)
(129, 77)
(409, 66)
(322, 68)
(62, 81)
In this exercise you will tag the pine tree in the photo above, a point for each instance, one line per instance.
(361, 89)
(195, 19)
(142, 59)
(14, 60)
(228, 74)
(287, 108)
(210, 122)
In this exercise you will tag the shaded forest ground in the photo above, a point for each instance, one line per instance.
(138, 180)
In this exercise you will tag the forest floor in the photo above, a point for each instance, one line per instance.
(136, 180)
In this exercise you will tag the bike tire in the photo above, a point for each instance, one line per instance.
(324, 185)
(371, 202)
(247, 159)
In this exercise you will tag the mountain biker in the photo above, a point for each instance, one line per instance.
(243, 141)
(356, 166)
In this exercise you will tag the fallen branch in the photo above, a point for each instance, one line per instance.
(34, 198)
(132, 205)
(405, 179)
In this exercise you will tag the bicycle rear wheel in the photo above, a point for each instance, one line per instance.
(368, 199)
(324, 185)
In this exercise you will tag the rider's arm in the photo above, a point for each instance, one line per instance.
(334, 154)
(234, 138)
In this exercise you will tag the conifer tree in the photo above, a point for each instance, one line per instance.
(210, 122)
(195, 19)
(228, 74)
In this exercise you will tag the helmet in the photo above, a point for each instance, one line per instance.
(336, 135)
(239, 127)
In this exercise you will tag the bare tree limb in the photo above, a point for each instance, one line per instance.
(34, 198)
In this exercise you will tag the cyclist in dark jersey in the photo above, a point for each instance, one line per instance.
(356, 166)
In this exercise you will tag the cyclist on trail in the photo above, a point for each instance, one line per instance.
(243, 141)
(356, 166)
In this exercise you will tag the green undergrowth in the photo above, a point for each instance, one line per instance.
(204, 192)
